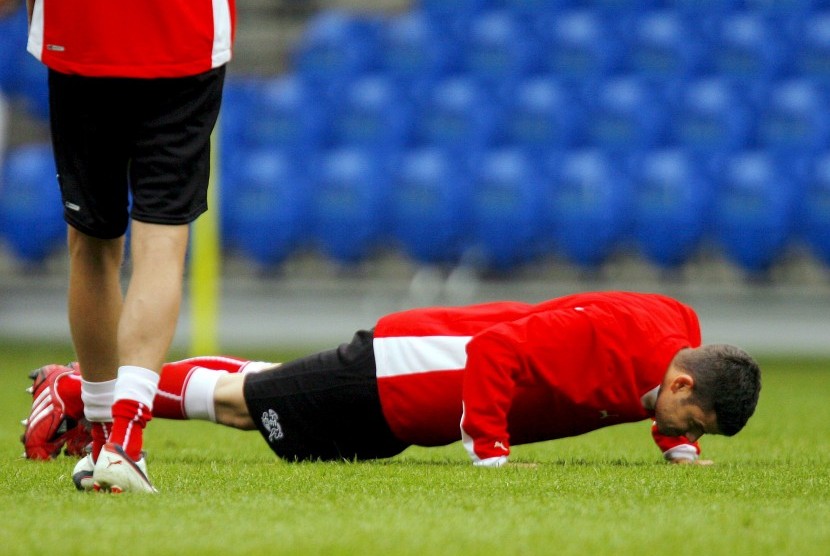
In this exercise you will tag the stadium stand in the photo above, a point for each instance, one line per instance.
(755, 210)
(542, 115)
(499, 53)
(266, 217)
(579, 46)
(336, 47)
(672, 198)
(415, 53)
(814, 214)
(506, 210)
(587, 206)
(612, 114)
(372, 114)
(458, 116)
(618, 123)
(430, 205)
(350, 209)
(31, 212)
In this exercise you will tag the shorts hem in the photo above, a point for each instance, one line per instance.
(170, 220)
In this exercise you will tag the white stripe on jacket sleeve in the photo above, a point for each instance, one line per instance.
(406, 355)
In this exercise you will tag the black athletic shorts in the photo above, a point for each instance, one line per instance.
(323, 407)
(147, 137)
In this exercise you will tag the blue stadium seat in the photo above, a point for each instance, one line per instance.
(278, 115)
(31, 211)
(626, 116)
(620, 14)
(794, 122)
(350, 204)
(579, 46)
(543, 115)
(336, 47)
(755, 210)
(430, 205)
(711, 120)
(268, 216)
(507, 210)
(812, 52)
(372, 114)
(663, 47)
(455, 10)
(457, 116)
(814, 213)
(530, 10)
(32, 86)
(238, 99)
(232, 141)
(286, 113)
(783, 9)
(618, 7)
(749, 49)
(21, 75)
(704, 7)
(588, 206)
(672, 199)
(499, 52)
(12, 40)
(415, 53)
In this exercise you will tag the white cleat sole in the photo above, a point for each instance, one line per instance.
(116, 472)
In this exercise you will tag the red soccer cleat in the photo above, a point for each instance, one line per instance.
(48, 428)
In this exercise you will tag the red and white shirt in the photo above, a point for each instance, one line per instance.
(143, 39)
(514, 373)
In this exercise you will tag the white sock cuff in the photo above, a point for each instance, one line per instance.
(98, 398)
(136, 383)
(198, 396)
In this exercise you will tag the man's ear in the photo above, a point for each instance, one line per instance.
(682, 381)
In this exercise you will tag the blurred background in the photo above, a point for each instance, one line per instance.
(378, 155)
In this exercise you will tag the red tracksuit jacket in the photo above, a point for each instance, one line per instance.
(513, 373)
(140, 39)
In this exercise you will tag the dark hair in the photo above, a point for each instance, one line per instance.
(727, 380)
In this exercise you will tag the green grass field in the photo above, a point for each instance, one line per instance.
(222, 491)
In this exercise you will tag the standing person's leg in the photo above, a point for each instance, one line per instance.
(94, 307)
(146, 327)
(151, 306)
(168, 174)
(88, 129)
(94, 301)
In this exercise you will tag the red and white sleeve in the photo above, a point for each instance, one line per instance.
(675, 448)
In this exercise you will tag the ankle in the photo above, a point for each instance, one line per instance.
(129, 419)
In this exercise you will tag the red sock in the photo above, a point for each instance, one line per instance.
(69, 390)
(100, 432)
(169, 400)
(129, 418)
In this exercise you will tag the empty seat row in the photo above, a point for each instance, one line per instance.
(581, 45)
(581, 205)
(625, 114)
(511, 207)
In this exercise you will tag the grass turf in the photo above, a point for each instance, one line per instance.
(608, 492)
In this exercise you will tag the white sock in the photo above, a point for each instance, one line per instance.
(136, 383)
(98, 398)
(198, 394)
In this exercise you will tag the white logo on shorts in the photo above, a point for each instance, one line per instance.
(72, 206)
(271, 422)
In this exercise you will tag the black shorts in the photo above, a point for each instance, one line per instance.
(147, 137)
(323, 407)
